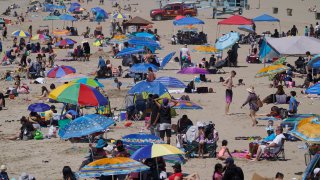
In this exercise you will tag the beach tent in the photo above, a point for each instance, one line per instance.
(234, 20)
(101, 14)
(187, 21)
(138, 21)
(267, 18)
(294, 46)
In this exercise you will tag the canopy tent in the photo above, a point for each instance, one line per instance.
(294, 46)
(234, 20)
(138, 21)
(267, 18)
(187, 21)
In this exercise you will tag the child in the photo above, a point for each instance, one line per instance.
(118, 83)
(201, 138)
(269, 127)
(223, 150)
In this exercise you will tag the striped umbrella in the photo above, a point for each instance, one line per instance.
(155, 150)
(308, 130)
(60, 71)
(89, 81)
(20, 33)
(170, 82)
(119, 16)
(186, 105)
(270, 70)
(39, 37)
(65, 42)
(71, 77)
(78, 94)
(111, 167)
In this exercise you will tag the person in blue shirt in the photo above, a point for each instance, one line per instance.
(293, 103)
(102, 62)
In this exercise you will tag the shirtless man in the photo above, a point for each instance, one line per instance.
(229, 84)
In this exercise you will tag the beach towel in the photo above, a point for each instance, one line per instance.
(242, 154)
(251, 138)
(268, 118)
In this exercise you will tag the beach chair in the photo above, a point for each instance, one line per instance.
(278, 155)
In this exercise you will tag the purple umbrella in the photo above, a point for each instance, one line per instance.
(193, 70)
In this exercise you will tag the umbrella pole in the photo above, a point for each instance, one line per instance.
(158, 174)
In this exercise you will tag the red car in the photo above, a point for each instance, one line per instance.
(172, 10)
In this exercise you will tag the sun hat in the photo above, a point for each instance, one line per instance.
(250, 89)
(101, 143)
(3, 167)
(316, 171)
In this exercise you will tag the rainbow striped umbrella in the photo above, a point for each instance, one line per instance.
(119, 16)
(39, 36)
(60, 71)
(270, 70)
(78, 94)
(71, 77)
(155, 150)
(20, 33)
(65, 42)
(89, 81)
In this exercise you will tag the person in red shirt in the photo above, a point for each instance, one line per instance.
(177, 175)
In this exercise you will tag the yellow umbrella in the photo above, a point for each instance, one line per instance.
(270, 70)
(308, 129)
(207, 49)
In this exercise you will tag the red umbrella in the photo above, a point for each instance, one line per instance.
(179, 17)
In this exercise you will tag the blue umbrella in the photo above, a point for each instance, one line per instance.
(143, 41)
(85, 125)
(246, 28)
(186, 105)
(166, 59)
(129, 51)
(312, 164)
(146, 35)
(314, 62)
(170, 82)
(315, 89)
(67, 17)
(227, 40)
(148, 87)
(101, 14)
(38, 107)
(143, 68)
(140, 139)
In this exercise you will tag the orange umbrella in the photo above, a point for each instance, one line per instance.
(62, 32)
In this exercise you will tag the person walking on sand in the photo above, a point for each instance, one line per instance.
(229, 94)
(252, 100)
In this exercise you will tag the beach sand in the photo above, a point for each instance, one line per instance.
(31, 156)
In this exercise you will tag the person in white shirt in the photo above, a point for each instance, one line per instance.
(277, 143)
(184, 54)
(317, 30)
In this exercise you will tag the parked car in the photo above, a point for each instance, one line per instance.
(172, 10)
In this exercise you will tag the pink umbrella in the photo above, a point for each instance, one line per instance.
(193, 70)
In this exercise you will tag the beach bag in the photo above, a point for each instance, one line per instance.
(259, 102)
(38, 135)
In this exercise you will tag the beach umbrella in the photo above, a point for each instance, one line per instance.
(130, 51)
(65, 42)
(71, 77)
(119, 16)
(270, 70)
(205, 49)
(85, 125)
(148, 87)
(78, 94)
(111, 167)
(60, 71)
(140, 139)
(170, 82)
(67, 17)
(38, 107)
(60, 32)
(51, 18)
(20, 33)
(308, 130)
(166, 59)
(227, 40)
(118, 39)
(186, 105)
(143, 41)
(246, 28)
(280, 61)
(143, 68)
(315, 89)
(145, 35)
(39, 37)
(89, 81)
(314, 62)
(155, 150)
(193, 70)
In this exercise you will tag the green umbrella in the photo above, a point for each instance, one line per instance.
(280, 61)
(52, 18)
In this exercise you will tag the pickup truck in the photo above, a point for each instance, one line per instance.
(172, 10)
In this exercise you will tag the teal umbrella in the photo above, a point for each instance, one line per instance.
(51, 18)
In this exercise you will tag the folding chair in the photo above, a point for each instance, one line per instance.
(278, 155)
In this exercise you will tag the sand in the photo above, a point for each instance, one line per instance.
(31, 156)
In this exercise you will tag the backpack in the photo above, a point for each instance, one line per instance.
(259, 102)
(283, 113)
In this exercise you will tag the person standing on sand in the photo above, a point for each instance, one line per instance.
(229, 94)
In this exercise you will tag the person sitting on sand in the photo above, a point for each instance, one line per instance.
(26, 131)
(279, 176)
(276, 144)
(272, 97)
(2, 102)
(224, 149)
(96, 152)
(3, 173)
(44, 93)
(68, 174)
(231, 171)
(120, 150)
(218, 170)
